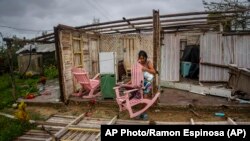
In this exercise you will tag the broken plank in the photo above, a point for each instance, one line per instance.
(131, 122)
(86, 126)
(50, 123)
(83, 129)
(230, 121)
(192, 121)
(31, 138)
(64, 130)
(85, 136)
(65, 116)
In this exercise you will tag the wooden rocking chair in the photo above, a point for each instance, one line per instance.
(124, 99)
(90, 85)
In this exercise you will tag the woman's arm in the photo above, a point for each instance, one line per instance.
(150, 68)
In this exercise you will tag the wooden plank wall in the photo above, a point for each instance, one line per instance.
(82, 50)
(66, 52)
(127, 46)
(77, 49)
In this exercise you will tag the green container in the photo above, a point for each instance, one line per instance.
(108, 82)
(185, 67)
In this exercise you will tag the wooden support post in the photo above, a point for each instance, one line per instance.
(156, 43)
(59, 62)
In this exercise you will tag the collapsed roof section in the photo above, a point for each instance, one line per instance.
(181, 22)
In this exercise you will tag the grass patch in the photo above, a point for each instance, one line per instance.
(23, 87)
(12, 128)
(35, 116)
(5, 91)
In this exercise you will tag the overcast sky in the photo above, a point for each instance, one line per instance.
(38, 15)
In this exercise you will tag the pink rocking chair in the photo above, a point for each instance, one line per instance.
(125, 101)
(90, 85)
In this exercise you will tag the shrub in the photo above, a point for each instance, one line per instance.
(51, 72)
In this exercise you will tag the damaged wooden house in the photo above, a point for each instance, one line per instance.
(191, 51)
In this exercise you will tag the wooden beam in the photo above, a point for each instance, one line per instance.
(114, 22)
(140, 28)
(65, 129)
(43, 36)
(181, 19)
(49, 123)
(45, 40)
(162, 16)
(187, 30)
(196, 18)
(162, 21)
(214, 65)
(156, 44)
(84, 129)
(106, 27)
(128, 22)
(201, 13)
(59, 61)
(61, 26)
(236, 33)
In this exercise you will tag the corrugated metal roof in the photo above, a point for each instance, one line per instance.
(39, 48)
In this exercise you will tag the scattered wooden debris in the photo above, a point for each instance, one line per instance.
(86, 128)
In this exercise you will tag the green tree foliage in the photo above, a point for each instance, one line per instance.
(225, 23)
(16, 45)
(241, 19)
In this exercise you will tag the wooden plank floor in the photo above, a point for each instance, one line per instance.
(88, 129)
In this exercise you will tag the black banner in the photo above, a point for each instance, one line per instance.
(190, 132)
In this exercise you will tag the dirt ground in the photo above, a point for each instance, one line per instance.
(156, 113)
(175, 106)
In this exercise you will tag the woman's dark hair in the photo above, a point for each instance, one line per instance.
(143, 54)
